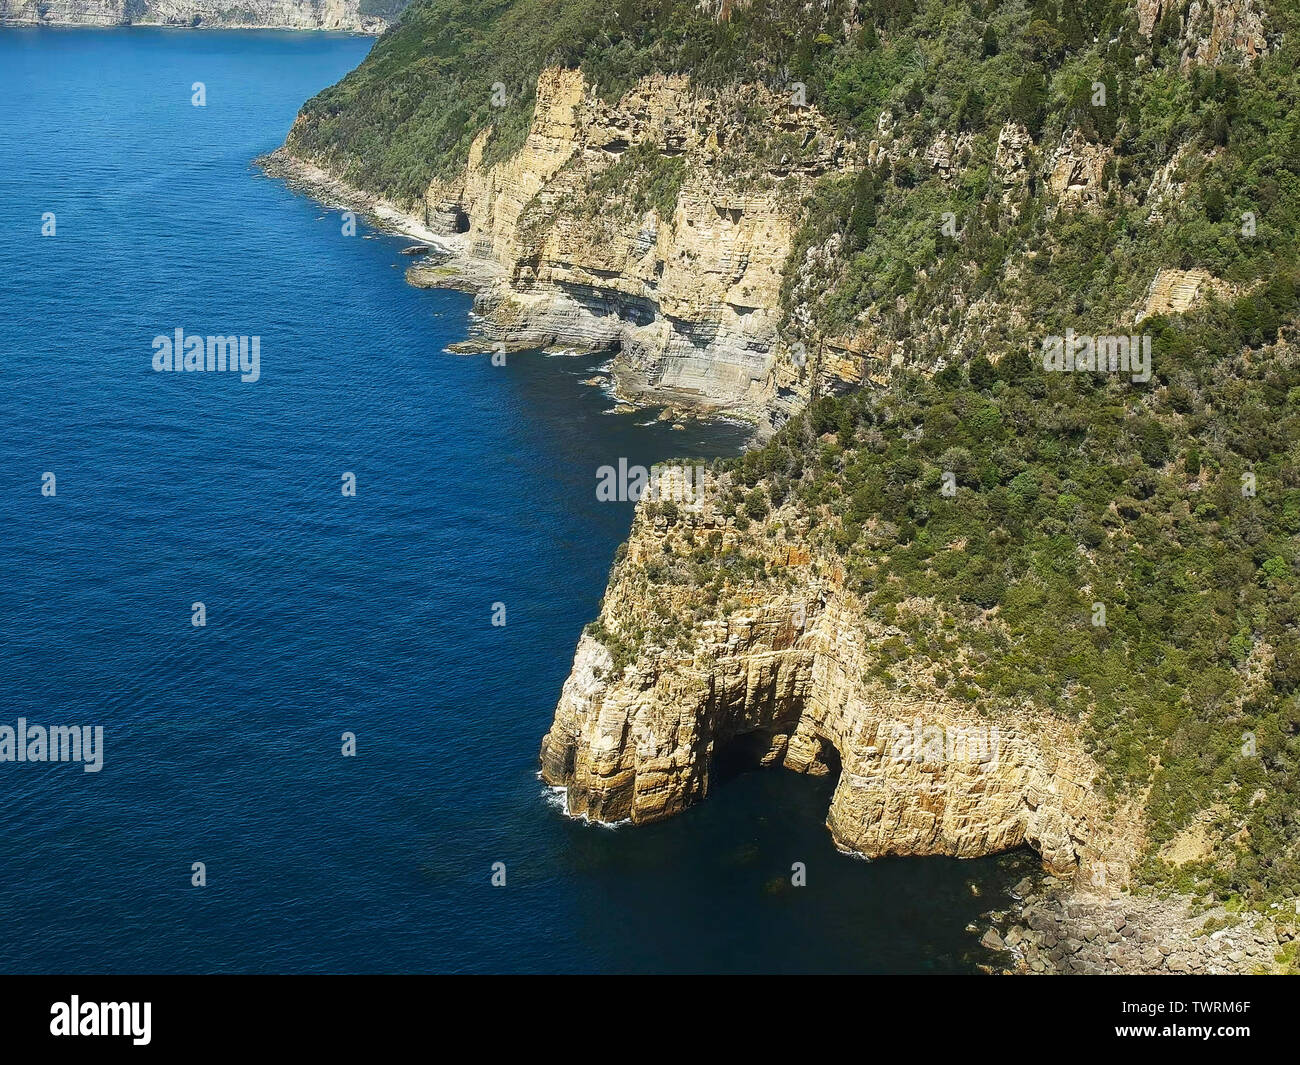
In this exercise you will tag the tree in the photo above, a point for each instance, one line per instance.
(862, 220)
(970, 113)
(1214, 203)
(756, 505)
(1029, 101)
(1076, 37)
(982, 373)
(1044, 41)
(1216, 128)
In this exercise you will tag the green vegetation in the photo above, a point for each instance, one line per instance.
(1072, 489)
(410, 111)
(386, 9)
(641, 179)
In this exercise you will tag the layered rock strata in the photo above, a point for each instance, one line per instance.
(783, 676)
(342, 15)
(658, 226)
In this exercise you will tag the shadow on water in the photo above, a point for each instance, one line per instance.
(754, 751)
(714, 890)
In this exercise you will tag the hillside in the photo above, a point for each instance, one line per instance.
(942, 525)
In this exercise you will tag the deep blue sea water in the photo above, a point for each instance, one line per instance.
(326, 614)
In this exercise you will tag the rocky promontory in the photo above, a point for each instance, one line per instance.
(777, 667)
(353, 16)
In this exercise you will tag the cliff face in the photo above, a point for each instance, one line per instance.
(658, 225)
(708, 235)
(343, 15)
(735, 251)
(780, 673)
(1209, 31)
(687, 290)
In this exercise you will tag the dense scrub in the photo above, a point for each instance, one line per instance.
(1073, 491)
(1174, 505)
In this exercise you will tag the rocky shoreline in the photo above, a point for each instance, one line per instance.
(445, 260)
(334, 16)
(311, 180)
(1059, 929)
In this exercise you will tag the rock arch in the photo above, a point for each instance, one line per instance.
(916, 776)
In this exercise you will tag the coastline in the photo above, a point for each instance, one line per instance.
(304, 176)
(450, 264)
(1058, 927)
(456, 268)
(126, 24)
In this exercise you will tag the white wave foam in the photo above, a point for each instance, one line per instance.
(557, 797)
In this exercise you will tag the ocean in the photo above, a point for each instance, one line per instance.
(327, 613)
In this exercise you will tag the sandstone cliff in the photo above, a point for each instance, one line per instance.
(658, 225)
(354, 16)
(668, 226)
(1209, 31)
(778, 668)
(1175, 291)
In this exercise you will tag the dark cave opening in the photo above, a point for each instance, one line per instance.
(759, 749)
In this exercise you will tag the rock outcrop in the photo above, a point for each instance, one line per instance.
(1058, 928)
(782, 676)
(344, 15)
(657, 226)
(1013, 164)
(1076, 171)
(1175, 291)
(1209, 31)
